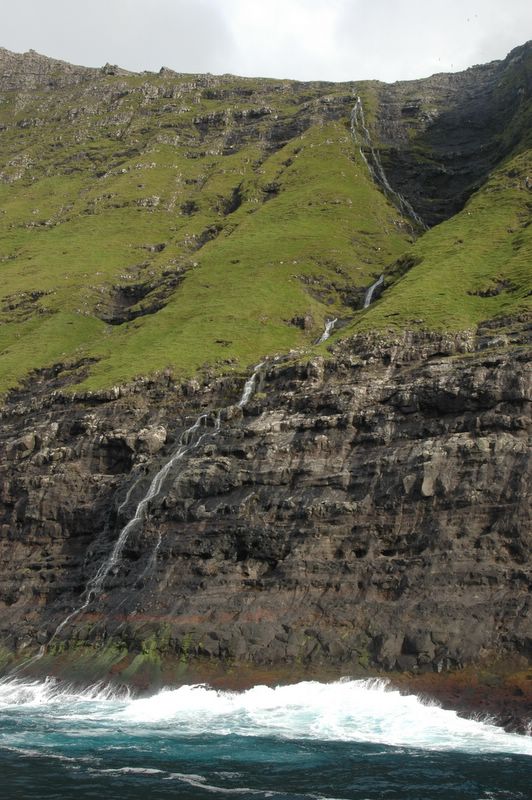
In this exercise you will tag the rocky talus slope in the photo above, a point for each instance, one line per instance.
(369, 509)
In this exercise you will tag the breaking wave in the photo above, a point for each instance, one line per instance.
(359, 711)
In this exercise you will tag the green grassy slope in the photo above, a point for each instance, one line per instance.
(226, 234)
(165, 221)
(473, 267)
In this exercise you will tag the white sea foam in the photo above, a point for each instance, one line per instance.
(348, 711)
(131, 771)
(50, 691)
(198, 781)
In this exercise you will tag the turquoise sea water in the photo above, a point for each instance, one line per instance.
(348, 739)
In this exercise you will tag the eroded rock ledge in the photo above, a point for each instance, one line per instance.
(367, 511)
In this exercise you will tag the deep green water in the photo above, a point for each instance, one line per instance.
(343, 740)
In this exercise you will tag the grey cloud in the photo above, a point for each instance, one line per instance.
(188, 35)
(305, 39)
(412, 38)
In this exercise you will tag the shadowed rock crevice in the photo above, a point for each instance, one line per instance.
(126, 303)
(440, 137)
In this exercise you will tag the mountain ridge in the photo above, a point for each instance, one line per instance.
(6, 54)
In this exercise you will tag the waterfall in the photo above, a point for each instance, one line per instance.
(329, 325)
(369, 292)
(249, 386)
(189, 440)
(362, 137)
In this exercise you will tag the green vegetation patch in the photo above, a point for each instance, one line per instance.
(187, 222)
(473, 267)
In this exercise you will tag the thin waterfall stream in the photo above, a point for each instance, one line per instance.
(191, 438)
(362, 137)
(371, 290)
(329, 327)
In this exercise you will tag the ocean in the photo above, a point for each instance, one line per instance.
(351, 740)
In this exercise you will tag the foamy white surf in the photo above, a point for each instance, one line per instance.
(51, 692)
(347, 711)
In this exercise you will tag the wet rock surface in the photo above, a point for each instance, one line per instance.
(441, 136)
(501, 693)
(369, 510)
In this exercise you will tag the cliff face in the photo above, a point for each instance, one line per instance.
(367, 509)
(31, 70)
(440, 137)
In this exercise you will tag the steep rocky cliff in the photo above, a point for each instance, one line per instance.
(442, 136)
(369, 508)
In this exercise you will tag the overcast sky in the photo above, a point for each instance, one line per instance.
(306, 39)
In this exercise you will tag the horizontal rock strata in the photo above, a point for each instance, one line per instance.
(367, 510)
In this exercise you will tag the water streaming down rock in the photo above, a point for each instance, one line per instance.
(371, 290)
(189, 440)
(247, 393)
(329, 327)
(249, 386)
(362, 137)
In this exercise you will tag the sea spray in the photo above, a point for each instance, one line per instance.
(308, 741)
(357, 711)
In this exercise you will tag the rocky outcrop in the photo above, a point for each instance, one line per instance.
(369, 509)
(31, 70)
(441, 136)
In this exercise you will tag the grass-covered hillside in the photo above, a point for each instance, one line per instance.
(161, 221)
(471, 268)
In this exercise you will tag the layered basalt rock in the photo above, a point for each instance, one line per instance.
(366, 510)
(440, 137)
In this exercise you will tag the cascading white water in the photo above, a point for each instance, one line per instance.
(347, 710)
(249, 386)
(190, 440)
(329, 327)
(369, 293)
(362, 137)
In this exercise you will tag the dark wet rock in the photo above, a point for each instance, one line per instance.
(441, 136)
(368, 511)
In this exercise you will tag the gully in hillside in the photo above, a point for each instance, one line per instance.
(362, 137)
